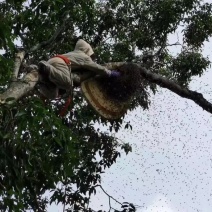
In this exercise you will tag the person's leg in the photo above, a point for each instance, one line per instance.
(46, 88)
(57, 72)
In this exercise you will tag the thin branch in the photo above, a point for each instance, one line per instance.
(162, 46)
(20, 55)
(110, 205)
(110, 197)
(2, 186)
(64, 204)
(175, 44)
(55, 35)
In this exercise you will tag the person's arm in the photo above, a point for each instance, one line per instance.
(98, 69)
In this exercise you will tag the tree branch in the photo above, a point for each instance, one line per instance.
(166, 83)
(18, 60)
(55, 35)
(174, 87)
(20, 88)
(110, 197)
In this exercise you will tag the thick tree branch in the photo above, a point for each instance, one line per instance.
(166, 83)
(18, 89)
(174, 87)
(18, 60)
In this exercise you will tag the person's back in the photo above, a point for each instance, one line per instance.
(81, 59)
(77, 58)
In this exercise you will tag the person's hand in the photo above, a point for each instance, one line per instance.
(115, 73)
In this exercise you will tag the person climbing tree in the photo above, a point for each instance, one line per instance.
(56, 72)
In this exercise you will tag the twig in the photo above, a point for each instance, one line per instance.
(2, 186)
(110, 204)
(109, 196)
(175, 44)
(64, 204)
(55, 35)
(162, 46)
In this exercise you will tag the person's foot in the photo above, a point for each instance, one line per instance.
(43, 68)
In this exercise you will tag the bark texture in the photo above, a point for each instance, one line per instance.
(18, 89)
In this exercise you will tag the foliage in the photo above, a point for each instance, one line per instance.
(39, 150)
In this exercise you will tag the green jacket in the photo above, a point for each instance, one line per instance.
(80, 59)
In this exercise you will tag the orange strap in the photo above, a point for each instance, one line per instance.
(65, 107)
(68, 101)
(66, 60)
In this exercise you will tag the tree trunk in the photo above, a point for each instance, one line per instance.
(18, 89)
